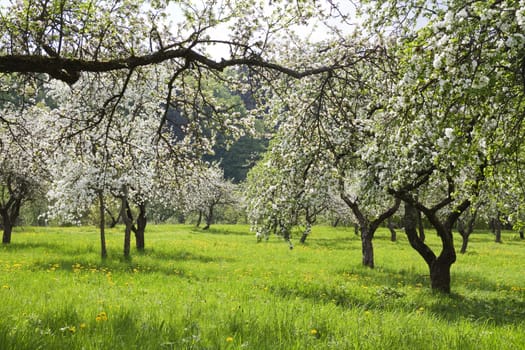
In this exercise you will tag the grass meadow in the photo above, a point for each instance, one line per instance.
(219, 289)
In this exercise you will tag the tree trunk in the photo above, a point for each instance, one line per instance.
(497, 229)
(420, 226)
(102, 226)
(367, 248)
(209, 218)
(464, 243)
(114, 220)
(521, 234)
(390, 225)
(199, 219)
(336, 222)
(356, 229)
(439, 266)
(440, 273)
(142, 221)
(125, 214)
(8, 228)
(306, 233)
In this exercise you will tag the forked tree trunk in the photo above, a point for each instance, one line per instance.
(439, 266)
(465, 229)
(368, 228)
(102, 225)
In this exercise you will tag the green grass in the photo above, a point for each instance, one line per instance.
(219, 289)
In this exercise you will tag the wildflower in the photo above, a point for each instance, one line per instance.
(229, 339)
(70, 329)
(101, 316)
(313, 331)
(5, 286)
(82, 325)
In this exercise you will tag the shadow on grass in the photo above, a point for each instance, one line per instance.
(18, 246)
(222, 231)
(382, 290)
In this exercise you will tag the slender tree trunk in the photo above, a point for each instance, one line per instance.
(306, 233)
(209, 217)
(464, 243)
(142, 221)
(465, 229)
(497, 230)
(102, 226)
(335, 222)
(125, 214)
(367, 247)
(390, 225)
(356, 229)
(199, 219)
(522, 236)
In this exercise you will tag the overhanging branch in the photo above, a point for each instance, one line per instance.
(69, 69)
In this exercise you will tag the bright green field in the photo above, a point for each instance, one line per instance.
(221, 290)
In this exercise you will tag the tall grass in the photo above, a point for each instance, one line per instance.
(219, 289)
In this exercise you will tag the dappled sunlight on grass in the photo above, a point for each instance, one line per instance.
(195, 289)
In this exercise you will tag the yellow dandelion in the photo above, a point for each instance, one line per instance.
(313, 331)
(229, 339)
(82, 326)
(101, 316)
(5, 286)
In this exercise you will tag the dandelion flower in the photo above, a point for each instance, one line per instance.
(313, 331)
(229, 339)
(101, 316)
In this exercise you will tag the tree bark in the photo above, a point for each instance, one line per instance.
(390, 225)
(367, 248)
(465, 229)
(142, 221)
(209, 217)
(439, 266)
(199, 219)
(10, 213)
(306, 233)
(102, 226)
(8, 229)
(421, 227)
(125, 214)
(440, 273)
(497, 230)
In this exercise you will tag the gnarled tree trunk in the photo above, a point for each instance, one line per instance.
(439, 266)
